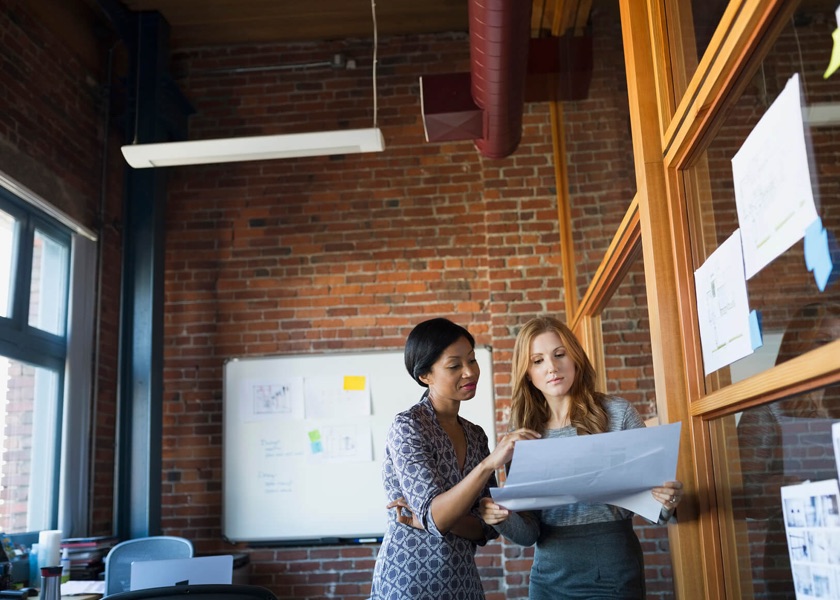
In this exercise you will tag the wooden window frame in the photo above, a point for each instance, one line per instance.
(670, 131)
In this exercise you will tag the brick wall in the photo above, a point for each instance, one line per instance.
(348, 253)
(52, 123)
(341, 253)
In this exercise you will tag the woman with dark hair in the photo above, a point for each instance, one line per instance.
(437, 465)
(584, 550)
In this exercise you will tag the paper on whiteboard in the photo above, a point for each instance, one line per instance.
(773, 194)
(270, 399)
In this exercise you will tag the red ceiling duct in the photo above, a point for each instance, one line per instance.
(499, 39)
(507, 69)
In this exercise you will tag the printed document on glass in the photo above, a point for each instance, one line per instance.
(723, 310)
(772, 181)
(618, 468)
(812, 524)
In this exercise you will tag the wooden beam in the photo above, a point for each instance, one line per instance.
(690, 577)
(619, 257)
(564, 210)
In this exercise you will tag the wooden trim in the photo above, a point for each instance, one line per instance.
(662, 68)
(681, 52)
(701, 74)
(815, 369)
(696, 574)
(582, 17)
(591, 337)
(564, 210)
(748, 29)
(622, 252)
(733, 529)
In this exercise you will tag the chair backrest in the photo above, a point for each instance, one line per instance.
(119, 559)
(208, 591)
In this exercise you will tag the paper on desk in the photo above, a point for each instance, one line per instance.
(76, 587)
(618, 468)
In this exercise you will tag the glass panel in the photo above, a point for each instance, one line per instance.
(706, 16)
(781, 290)
(756, 453)
(48, 293)
(29, 437)
(629, 374)
(8, 243)
(599, 149)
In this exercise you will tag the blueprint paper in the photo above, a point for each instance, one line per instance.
(618, 468)
(770, 172)
(723, 311)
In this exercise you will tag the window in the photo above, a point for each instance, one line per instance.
(35, 254)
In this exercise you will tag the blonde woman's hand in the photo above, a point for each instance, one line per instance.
(490, 512)
(669, 494)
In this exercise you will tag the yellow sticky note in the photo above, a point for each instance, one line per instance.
(834, 63)
(354, 383)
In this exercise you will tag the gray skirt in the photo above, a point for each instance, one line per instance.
(594, 561)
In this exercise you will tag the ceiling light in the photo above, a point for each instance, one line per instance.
(264, 147)
(199, 152)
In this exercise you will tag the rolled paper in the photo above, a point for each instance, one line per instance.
(49, 548)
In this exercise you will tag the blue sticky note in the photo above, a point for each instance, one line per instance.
(755, 329)
(818, 254)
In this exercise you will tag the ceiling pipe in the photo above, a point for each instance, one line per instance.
(507, 69)
(499, 39)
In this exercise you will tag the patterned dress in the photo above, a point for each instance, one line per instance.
(420, 463)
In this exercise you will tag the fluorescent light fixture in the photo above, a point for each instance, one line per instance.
(264, 147)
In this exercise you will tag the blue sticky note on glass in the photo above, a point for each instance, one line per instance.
(755, 330)
(818, 254)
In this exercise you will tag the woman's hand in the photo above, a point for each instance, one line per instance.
(669, 494)
(503, 451)
(490, 512)
(406, 519)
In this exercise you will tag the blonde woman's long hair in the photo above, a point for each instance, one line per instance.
(529, 407)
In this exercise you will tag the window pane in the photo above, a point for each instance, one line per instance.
(8, 235)
(785, 286)
(29, 426)
(48, 293)
(756, 453)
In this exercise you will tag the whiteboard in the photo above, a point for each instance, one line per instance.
(304, 440)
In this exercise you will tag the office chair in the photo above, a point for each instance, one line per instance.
(207, 591)
(119, 559)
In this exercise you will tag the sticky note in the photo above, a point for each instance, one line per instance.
(755, 330)
(315, 444)
(834, 61)
(818, 254)
(354, 383)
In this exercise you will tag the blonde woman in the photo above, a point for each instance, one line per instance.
(586, 551)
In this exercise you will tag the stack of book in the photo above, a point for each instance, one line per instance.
(87, 555)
